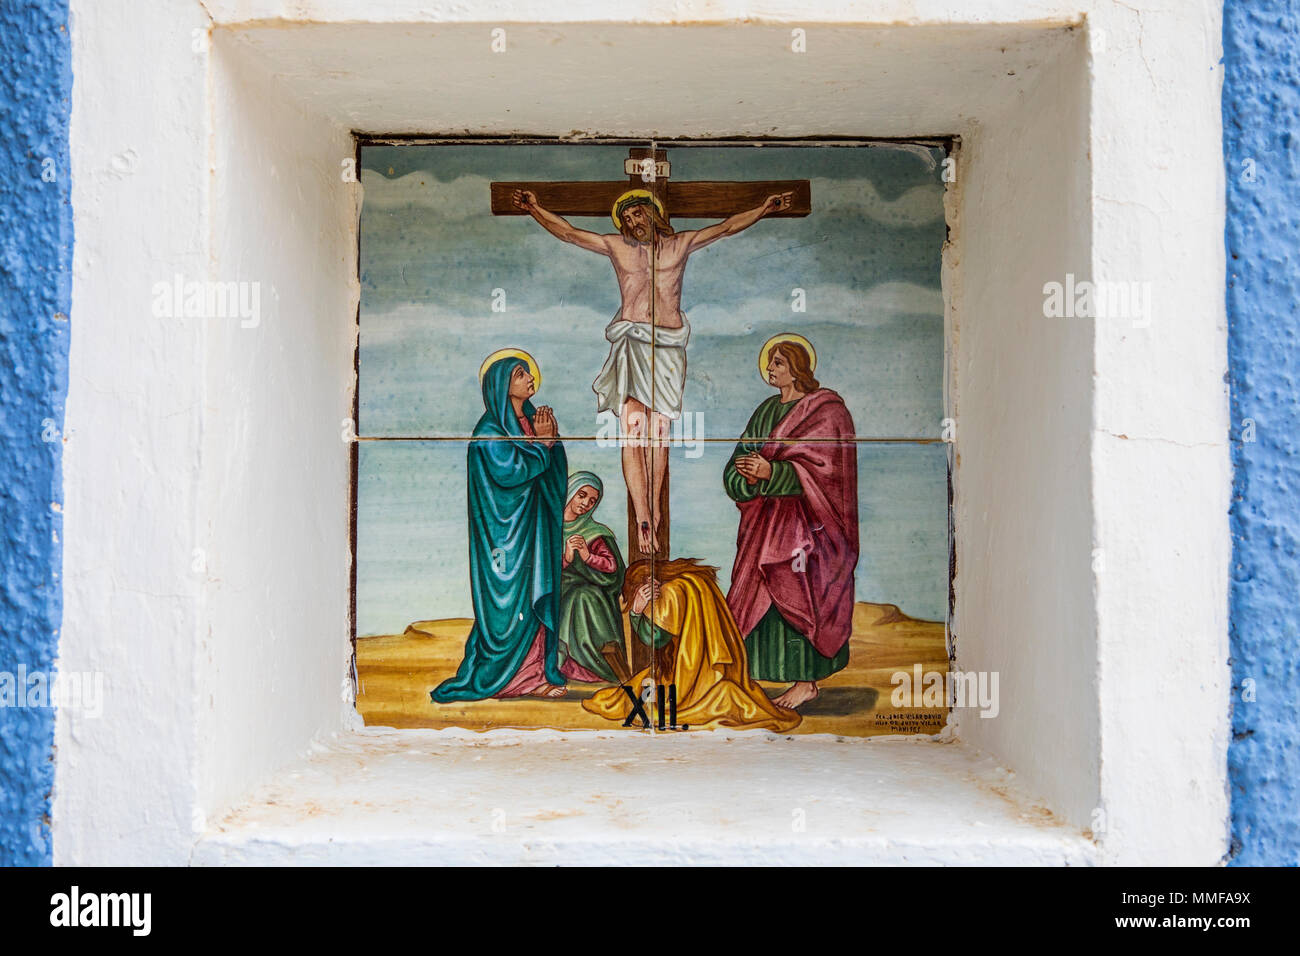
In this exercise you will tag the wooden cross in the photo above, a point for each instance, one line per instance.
(649, 169)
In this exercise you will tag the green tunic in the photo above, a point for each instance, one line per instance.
(777, 651)
(589, 613)
(649, 634)
(784, 480)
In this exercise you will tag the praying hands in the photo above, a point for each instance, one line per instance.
(754, 468)
(576, 544)
(545, 426)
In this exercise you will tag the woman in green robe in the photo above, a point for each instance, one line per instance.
(591, 624)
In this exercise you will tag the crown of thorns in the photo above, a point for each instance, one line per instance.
(635, 197)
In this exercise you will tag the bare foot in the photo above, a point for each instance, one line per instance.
(645, 538)
(550, 691)
(799, 694)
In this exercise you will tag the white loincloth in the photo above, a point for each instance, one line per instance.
(628, 370)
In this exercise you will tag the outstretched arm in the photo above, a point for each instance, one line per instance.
(557, 226)
(741, 220)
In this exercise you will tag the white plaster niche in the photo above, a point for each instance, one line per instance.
(242, 745)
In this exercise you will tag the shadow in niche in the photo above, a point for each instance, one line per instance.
(836, 701)
(831, 702)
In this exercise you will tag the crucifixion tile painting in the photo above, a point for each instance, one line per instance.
(651, 437)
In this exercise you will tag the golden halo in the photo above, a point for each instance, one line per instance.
(765, 353)
(533, 370)
(613, 210)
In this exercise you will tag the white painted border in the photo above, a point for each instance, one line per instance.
(1132, 188)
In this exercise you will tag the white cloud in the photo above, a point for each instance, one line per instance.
(398, 324)
(880, 305)
(466, 197)
(915, 207)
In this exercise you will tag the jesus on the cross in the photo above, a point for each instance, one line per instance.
(644, 376)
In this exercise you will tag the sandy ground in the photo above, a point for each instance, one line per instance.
(396, 673)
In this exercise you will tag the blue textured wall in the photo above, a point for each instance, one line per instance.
(35, 293)
(1261, 129)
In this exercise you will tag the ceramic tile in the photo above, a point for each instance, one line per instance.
(439, 566)
(851, 274)
(893, 598)
(449, 277)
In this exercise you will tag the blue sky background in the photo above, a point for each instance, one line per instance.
(867, 258)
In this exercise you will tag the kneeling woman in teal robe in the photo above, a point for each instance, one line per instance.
(591, 624)
(516, 505)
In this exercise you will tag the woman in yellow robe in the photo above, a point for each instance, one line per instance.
(697, 647)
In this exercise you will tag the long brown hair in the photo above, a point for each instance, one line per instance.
(657, 222)
(796, 356)
(639, 572)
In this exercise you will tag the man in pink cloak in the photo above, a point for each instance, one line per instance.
(794, 478)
